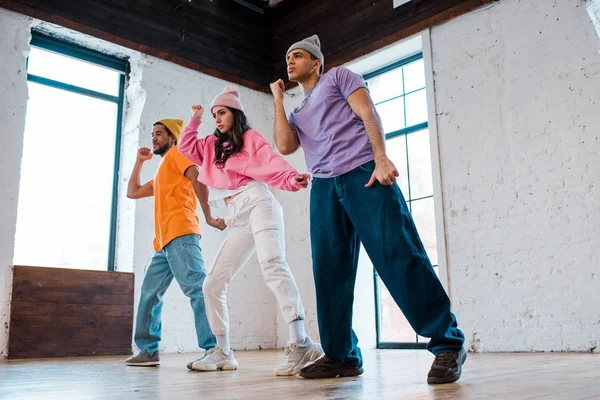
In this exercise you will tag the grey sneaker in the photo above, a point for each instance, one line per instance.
(143, 359)
(298, 356)
(216, 359)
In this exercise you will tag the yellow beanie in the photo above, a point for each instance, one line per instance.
(174, 125)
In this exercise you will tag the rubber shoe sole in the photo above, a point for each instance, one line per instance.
(310, 357)
(144, 364)
(222, 367)
(333, 373)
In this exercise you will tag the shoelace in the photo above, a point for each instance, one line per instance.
(445, 359)
(289, 350)
(210, 351)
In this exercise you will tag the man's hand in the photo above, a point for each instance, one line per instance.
(385, 172)
(277, 88)
(197, 112)
(303, 180)
(218, 223)
(144, 154)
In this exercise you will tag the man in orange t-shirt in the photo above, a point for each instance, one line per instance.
(177, 242)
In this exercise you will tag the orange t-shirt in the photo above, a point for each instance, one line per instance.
(174, 200)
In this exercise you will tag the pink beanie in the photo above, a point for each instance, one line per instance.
(229, 97)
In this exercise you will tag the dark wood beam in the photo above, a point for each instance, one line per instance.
(220, 38)
(225, 40)
(350, 29)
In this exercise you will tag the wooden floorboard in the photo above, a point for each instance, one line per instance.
(389, 374)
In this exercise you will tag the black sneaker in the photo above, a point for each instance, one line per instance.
(447, 367)
(325, 367)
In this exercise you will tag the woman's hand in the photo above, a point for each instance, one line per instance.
(303, 180)
(197, 112)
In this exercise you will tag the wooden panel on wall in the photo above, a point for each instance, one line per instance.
(349, 29)
(59, 312)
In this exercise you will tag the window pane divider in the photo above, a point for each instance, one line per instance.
(395, 65)
(112, 244)
(421, 198)
(400, 95)
(406, 131)
(72, 88)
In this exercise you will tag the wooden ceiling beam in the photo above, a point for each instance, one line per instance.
(230, 42)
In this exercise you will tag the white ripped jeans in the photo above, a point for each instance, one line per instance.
(255, 221)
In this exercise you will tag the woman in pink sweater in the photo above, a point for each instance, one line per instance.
(237, 163)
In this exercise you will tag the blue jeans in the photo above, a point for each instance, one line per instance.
(180, 258)
(344, 213)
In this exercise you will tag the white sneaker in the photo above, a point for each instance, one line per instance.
(216, 359)
(189, 365)
(298, 356)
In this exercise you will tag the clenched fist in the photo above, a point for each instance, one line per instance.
(277, 88)
(144, 154)
(197, 111)
(302, 179)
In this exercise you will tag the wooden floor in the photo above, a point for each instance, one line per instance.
(389, 374)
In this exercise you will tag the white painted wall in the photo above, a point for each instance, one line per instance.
(593, 7)
(517, 87)
(14, 37)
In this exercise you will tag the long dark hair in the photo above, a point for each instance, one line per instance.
(231, 143)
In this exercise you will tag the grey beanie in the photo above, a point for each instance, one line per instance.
(313, 46)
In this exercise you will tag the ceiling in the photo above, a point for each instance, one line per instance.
(244, 41)
(259, 5)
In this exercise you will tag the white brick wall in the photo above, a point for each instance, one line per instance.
(516, 89)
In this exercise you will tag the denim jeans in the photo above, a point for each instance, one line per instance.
(255, 221)
(344, 213)
(180, 258)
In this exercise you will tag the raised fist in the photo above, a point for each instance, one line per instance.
(197, 111)
(144, 154)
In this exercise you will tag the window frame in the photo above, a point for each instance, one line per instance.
(64, 48)
(391, 135)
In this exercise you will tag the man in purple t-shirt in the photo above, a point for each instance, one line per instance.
(355, 199)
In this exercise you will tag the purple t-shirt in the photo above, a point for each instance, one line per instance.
(332, 136)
